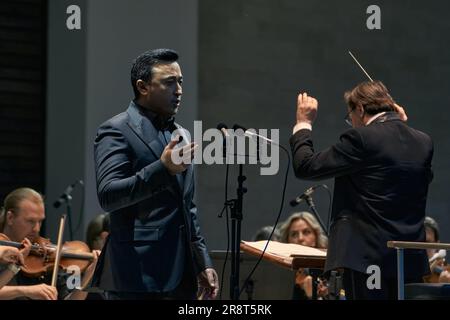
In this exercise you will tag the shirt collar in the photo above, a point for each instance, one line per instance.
(159, 122)
(373, 118)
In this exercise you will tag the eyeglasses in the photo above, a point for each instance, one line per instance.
(347, 118)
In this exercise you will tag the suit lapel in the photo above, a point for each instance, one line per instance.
(148, 134)
(145, 130)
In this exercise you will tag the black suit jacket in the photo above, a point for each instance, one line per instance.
(154, 232)
(382, 172)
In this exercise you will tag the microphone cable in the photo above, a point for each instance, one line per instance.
(225, 208)
(276, 222)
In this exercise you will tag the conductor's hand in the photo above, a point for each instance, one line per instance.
(176, 160)
(208, 284)
(306, 108)
(401, 112)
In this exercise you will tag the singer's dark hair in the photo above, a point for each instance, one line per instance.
(13, 200)
(143, 65)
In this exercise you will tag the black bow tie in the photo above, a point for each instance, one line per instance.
(159, 122)
(163, 124)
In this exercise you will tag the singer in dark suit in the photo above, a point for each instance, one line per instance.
(155, 249)
(382, 169)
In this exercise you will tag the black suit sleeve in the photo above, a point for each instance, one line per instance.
(118, 186)
(342, 158)
(199, 250)
(198, 245)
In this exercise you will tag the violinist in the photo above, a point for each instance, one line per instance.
(21, 219)
(438, 268)
(304, 229)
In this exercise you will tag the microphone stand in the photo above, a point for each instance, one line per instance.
(236, 219)
(315, 273)
(236, 216)
(67, 199)
(311, 205)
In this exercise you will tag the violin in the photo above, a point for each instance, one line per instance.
(41, 259)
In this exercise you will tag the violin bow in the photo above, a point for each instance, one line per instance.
(357, 62)
(58, 250)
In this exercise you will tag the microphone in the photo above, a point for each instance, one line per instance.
(307, 196)
(223, 127)
(66, 195)
(237, 126)
(252, 134)
(303, 197)
(438, 255)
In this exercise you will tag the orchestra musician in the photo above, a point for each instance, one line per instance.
(22, 216)
(438, 267)
(304, 229)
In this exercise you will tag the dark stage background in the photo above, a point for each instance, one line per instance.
(243, 61)
(255, 56)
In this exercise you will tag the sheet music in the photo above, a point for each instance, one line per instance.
(286, 249)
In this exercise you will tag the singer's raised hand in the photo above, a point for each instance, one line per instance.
(306, 108)
(176, 160)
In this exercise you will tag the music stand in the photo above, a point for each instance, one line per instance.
(268, 282)
(292, 256)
